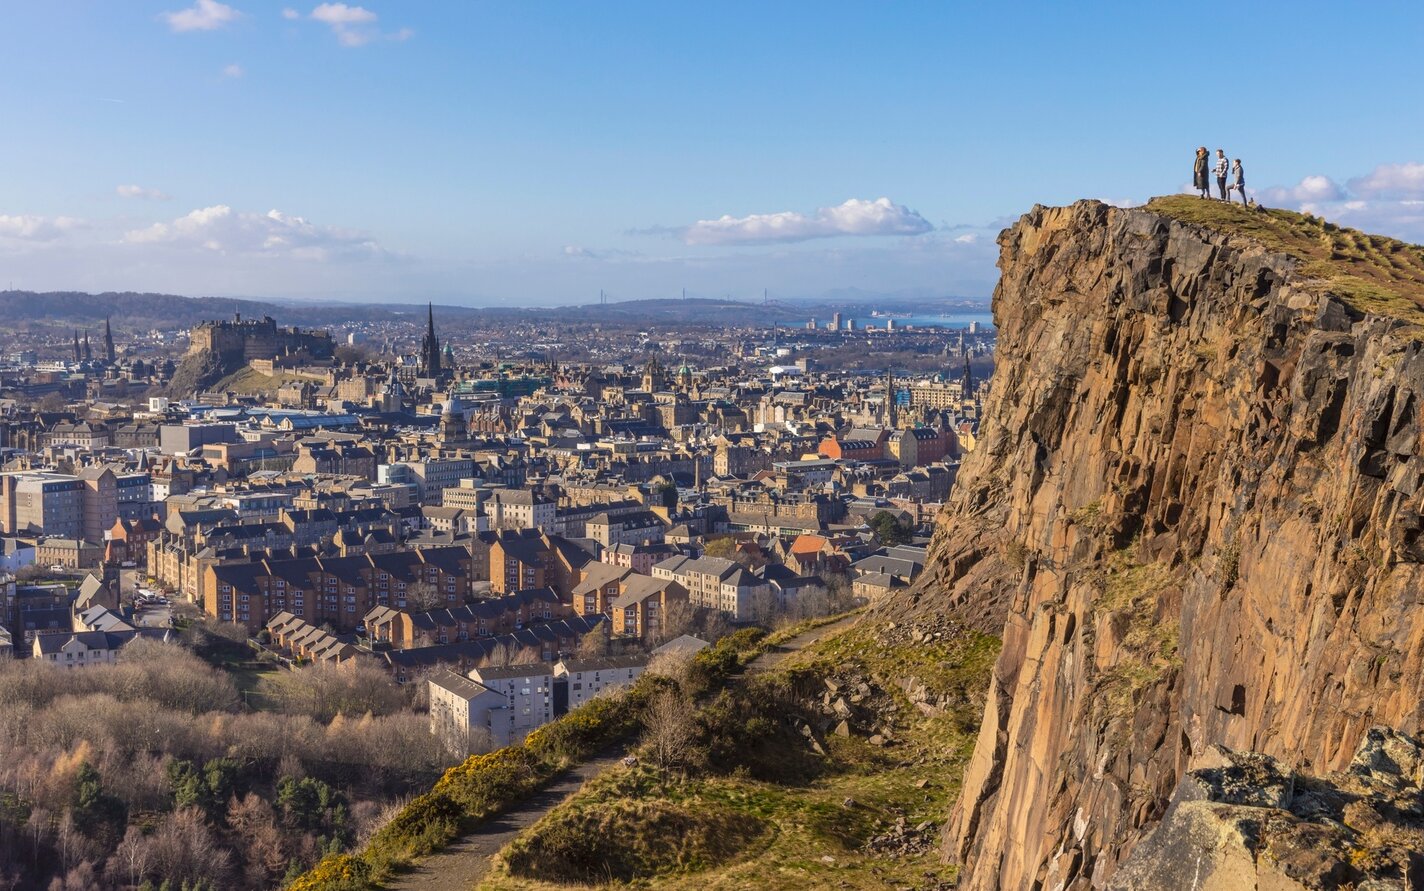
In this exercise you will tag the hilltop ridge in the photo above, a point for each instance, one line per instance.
(1374, 273)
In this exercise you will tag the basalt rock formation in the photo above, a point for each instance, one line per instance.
(1196, 517)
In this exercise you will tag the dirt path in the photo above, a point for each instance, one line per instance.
(774, 656)
(465, 862)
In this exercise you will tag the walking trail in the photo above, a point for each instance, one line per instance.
(461, 865)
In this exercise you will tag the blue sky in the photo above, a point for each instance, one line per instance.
(534, 153)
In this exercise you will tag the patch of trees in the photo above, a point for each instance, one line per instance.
(149, 774)
(888, 529)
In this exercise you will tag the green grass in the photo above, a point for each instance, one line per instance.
(956, 665)
(639, 824)
(1149, 650)
(249, 381)
(1373, 273)
(251, 680)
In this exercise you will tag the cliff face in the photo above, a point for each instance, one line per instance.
(1195, 515)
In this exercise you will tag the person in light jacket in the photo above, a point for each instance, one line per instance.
(1238, 182)
(1199, 179)
(1223, 164)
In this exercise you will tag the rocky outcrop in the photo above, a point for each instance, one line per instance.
(200, 370)
(1247, 822)
(1194, 514)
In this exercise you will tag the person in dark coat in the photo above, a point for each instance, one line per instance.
(1199, 174)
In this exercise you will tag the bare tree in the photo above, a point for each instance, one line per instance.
(422, 597)
(679, 617)
(670, 729)
(507, 653)
(185, 849)
(133, 856)
(765, 606)
(323, 691)
(594, 644)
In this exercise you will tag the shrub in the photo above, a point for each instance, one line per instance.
(426, 824)
(483, 784)
(628, 840)
(584, 731)
(335, 872)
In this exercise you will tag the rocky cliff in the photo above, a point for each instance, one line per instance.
(1195, 517)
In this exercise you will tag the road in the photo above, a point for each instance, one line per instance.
(465, 862)
(154, 617)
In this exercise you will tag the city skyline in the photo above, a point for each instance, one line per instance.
(470, 153)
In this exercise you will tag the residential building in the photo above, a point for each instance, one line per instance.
(588, 678)
(528, 693)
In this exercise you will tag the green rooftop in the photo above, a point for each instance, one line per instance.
(1373, 273)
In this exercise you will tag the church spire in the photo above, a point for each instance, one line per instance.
(77, 355)
(430, 346)
(890, 407)
(108, 342)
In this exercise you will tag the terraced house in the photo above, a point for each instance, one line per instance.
(483, 618)
(334, 590)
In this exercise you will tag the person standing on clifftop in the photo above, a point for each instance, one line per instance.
(1199, 174)
(1238, 182)
(1223, 164)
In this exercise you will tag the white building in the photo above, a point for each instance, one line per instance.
(520, 509)
(455, 701)
(588, 678)
(82, 649)
(493, 707)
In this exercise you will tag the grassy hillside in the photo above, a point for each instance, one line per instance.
(1374, 273)
(816, 803)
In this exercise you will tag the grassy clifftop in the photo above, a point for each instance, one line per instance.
(1374, 273)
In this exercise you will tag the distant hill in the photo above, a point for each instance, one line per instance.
(141, 311)
(130, 309)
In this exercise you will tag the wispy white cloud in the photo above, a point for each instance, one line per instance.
(223, 230)
(233, 70)
(290, 14)
(28, 227)
(133, 191)
(857, 217)
(1399, 181)
(341, 14)
(353, 25)
(205, 15)
(1309, 189)
(966, 238)
(578, 252)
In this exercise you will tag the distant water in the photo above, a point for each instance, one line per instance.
(947, 320)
